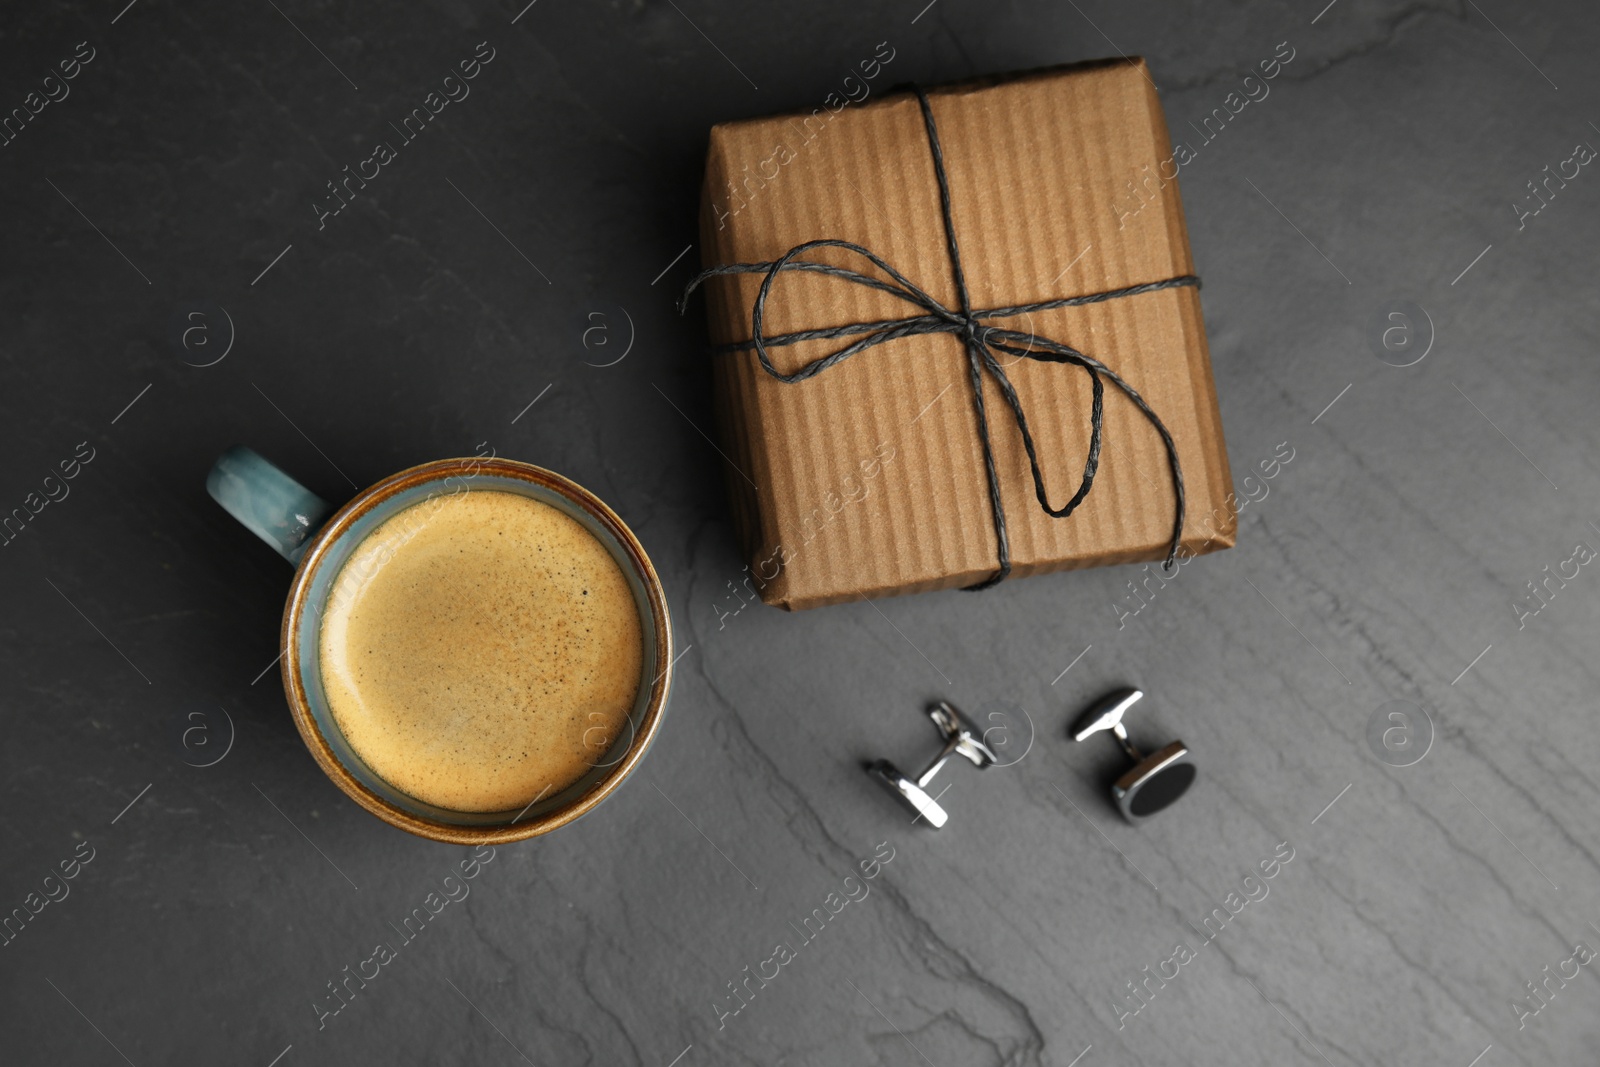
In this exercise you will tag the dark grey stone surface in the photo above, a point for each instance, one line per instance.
(1384, 564)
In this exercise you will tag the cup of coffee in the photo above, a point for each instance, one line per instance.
(475, 650)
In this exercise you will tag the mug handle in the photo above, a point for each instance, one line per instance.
(269, 503)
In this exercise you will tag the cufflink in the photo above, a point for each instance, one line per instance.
(961, 738)
(1157, 780)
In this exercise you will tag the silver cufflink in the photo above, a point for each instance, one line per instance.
(961, 738)
(1157, 780)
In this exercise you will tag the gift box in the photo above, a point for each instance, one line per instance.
(856, 454)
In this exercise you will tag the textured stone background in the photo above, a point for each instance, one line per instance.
(424, 319)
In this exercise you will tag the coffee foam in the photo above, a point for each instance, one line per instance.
(481, 650)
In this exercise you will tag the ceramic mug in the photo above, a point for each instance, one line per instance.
(296, 522)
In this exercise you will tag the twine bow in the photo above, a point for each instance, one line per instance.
(981, 342)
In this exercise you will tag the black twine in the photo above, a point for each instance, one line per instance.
(981, 342)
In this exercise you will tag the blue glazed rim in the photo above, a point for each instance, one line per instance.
(301, 669)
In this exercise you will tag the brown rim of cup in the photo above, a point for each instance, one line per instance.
(322, 752)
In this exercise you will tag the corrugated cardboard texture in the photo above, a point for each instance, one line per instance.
(868, 480)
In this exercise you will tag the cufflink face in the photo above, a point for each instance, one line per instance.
(1155, 782)
(961, 738)
(915, 799)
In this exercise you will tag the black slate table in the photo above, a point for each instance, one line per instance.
(482, 288)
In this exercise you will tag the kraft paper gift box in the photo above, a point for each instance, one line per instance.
(869, 478)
